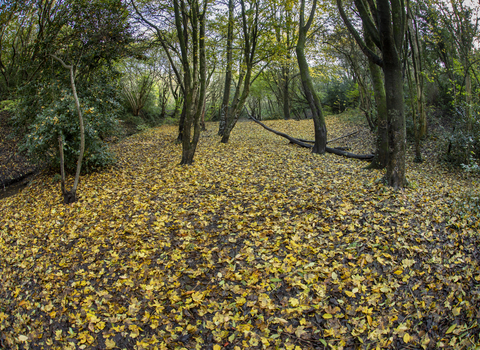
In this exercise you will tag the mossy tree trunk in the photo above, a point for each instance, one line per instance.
(311, 95)
(385, 23)
(381, 155)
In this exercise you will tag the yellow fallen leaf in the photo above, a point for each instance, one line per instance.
(398, 272)
(369, 320)
(197, 296)
(294, 302)
(22, 338)
(451, 328)
(350, 294)
(240, 301)
(110, 344)
(406, 337)
(327, 316)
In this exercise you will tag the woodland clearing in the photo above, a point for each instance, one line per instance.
(258, 244)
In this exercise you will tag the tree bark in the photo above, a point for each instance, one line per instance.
(228, 73)
(194, 72)
(245, 79)
(71, 196)
(391, 27)
(312, 98)
(387, 32)
(381, 155)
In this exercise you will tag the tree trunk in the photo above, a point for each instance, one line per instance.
(202, 119)
(391, 38)
(194, 74)
(385, 22)
(228, 73)
(415, 119)
(71, 196)
(381, 154)
(286, 93)
(181, 124)
(312, 98)
(244, 81)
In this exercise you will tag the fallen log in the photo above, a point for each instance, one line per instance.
(307, 145)
(335, 139)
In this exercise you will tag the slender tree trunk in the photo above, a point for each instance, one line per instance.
(202, 119)
(71, 196)
(286, 93)
(195, 74)
(419, 81)
(413, 105)
(181, 123)
(62, 163)
(244, 81)
(468, 100)
(228, 73)
(312, 98)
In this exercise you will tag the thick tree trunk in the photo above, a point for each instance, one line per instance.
(396, 121)
(396, 131)
(312, 98)
(391, 29)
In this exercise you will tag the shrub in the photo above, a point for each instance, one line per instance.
(464, 141)
(54, 114)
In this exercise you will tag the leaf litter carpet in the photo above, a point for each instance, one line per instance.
(259, 244)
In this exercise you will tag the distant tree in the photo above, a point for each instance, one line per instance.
(137, 83)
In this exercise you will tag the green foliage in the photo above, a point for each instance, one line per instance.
(340, 95)
(8, 105)
(55, 114)
(464, 141)
(142, 127)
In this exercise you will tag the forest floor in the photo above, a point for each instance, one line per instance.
(259, 244)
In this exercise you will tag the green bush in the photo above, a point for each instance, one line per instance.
(8, 105)
(339, 95)
(60, 117)
(464, 141)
